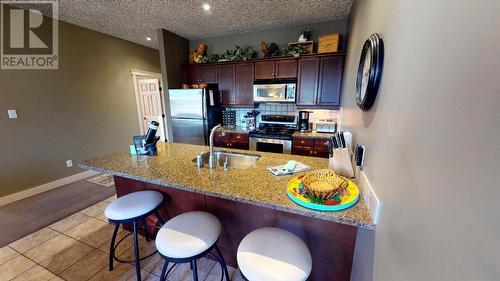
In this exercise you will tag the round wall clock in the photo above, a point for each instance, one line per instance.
(369, 71)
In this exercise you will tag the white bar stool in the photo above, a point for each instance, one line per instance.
(188, 237)
(132, 208)
(273, 254)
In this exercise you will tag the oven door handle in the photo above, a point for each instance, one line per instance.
(287, 144)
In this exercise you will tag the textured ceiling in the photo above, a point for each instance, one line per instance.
(136, 20)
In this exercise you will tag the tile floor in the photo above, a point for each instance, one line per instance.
(76, 248)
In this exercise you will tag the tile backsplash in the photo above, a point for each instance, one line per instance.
(284, 109)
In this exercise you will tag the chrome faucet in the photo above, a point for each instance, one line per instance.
(211, 159)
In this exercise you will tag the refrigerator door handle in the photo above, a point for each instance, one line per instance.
(205, 131)
(205, 115)
(204, 103)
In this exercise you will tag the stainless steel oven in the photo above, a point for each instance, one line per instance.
(270, 145)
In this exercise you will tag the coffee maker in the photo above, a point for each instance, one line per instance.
(304, 125)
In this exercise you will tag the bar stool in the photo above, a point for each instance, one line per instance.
(273, 254)
(132, 208)
(188, 237)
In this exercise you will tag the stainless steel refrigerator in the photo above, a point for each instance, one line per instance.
(194, 112)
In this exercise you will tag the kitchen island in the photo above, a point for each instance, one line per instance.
(243, 200)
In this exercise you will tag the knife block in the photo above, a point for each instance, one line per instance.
(341, 163)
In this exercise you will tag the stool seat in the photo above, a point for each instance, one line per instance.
(188, 235)
(133, 205)
(274, 254)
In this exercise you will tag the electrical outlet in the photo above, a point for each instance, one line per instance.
(372, 202)
(12, 113)
(69, 163)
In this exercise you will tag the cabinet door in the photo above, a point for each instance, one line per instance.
(321, 148)
(330, 80)
(303, 150)
(227, 89)
(286, 68)
(264, 70)
(244, 83)
(208, 74)
(192, 74)
(307, 81)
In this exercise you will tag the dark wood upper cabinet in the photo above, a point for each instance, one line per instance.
(200, 74)
(330, 80)
(319, 81)
(286, 68)
(227, 89)
(319, 78)
(307, 81)
(208, 74)
(244, 76)
(191, 74)
(264, 70)
(276, 69)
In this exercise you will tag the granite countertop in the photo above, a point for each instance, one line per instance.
(312, 134)
(174, 167)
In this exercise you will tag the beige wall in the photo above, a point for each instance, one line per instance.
(432, 139)
(84, 109)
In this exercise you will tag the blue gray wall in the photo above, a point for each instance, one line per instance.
(281, 36)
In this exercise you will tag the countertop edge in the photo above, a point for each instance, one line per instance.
(223, 196)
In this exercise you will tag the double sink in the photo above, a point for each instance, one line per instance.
(229, 160)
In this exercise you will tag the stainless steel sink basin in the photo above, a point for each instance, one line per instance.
(233, 160)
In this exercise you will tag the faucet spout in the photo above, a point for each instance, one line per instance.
(211, 159)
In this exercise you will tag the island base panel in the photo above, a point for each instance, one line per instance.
(331, 244)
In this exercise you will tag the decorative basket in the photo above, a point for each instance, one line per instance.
(324, 184)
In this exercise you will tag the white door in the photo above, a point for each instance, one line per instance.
(151, 104)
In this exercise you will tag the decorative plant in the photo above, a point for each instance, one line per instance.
(239, 53)
(295, 50)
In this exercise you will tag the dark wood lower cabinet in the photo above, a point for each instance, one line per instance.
(231, 140)
(331, 244)
(316, 147)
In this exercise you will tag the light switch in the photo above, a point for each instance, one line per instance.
(12, 113)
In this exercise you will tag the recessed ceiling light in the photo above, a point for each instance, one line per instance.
(148, 38)
(206, 7)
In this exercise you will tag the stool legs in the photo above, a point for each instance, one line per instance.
(146, 233)
(222, 263)
(163, 276)
(112, 247)
(194, 267)
(136, 253)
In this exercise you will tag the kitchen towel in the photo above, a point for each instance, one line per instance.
(280, 171)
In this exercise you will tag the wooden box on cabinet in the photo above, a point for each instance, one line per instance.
(329, 43)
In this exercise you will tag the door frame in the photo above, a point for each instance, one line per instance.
(136, 74)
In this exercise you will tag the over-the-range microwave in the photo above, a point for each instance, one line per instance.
(274, 92)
